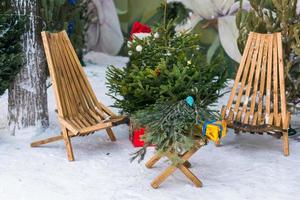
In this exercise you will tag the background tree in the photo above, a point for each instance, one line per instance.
(11, 53)
(27, 95)
(69, 15)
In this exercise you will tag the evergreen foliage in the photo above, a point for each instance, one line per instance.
(277, 16)
(11, 56)
(173, 127)
(165, 67)
(175, 11)
(69, 15)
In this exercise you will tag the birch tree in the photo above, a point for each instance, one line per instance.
(27, 101)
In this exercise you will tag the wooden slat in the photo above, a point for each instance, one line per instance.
(252, 57)
(69, 126)
(90, 119)
(246, 58)
(262, 80)
(96, 116)
(77, 124)
(257, 53)
(269, 77)
(238, 116)
(285, 116)
(66, 91)
(97, 127)
(77, 77)
(83, 120)
(275, 79)
(91, 97)
(78, 103)
(256, 80)
(278, 120)
(52, 72)
(255, 119)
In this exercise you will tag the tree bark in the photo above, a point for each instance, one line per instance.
(27, 100)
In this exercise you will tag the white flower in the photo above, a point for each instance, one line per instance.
(139, 48)
(189, 62)
(129, 43)
(156, 35)
(129, 53)
(178, 34)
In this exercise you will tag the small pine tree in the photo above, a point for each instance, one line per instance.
(164, 69)
(11, 56)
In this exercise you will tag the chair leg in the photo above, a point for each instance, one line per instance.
(111, 134)
(153, 161)
(285, 138)
(46, 141)
(68, 145)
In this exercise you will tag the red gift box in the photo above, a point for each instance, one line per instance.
(136, 137)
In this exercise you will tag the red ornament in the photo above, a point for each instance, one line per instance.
(139, 28)
(136, 137)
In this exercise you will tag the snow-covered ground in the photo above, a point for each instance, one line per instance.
(245, 167)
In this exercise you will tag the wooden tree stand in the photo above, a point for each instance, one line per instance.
(183, 167)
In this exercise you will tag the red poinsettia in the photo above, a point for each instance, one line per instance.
(139, 28)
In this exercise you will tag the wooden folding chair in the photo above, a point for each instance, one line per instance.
(257, 103)
(182, 166)
(79, 111)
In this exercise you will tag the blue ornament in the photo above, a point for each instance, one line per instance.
(72, 2)
(70, 28)
(190, 101)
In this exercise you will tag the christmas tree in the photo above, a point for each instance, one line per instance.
(164, 69)
(165, 66)
(11, 57)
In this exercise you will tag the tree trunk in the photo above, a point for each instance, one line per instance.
(27, 100)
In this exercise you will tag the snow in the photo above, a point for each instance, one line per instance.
(244, 167)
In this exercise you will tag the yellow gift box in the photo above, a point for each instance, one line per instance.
(214, 130)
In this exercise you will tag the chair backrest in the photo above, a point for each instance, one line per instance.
(74, 95)
(258, 93)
